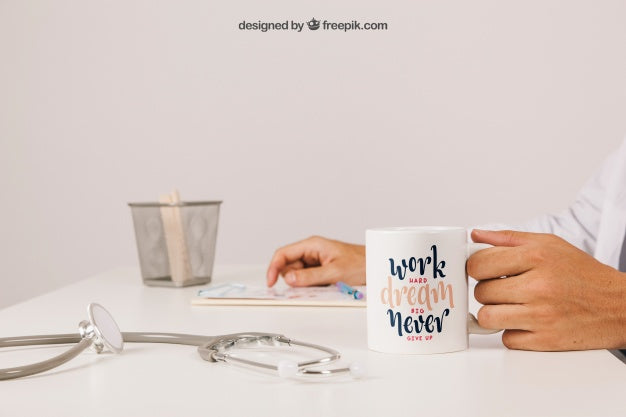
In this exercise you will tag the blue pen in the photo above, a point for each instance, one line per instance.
(346, 289)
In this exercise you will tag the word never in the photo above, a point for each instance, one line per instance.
(417, 325)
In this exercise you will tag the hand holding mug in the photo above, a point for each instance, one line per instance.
(555, 296)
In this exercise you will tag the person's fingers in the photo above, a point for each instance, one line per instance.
(520, 339)
(291, 266)
(319, 275)
(503, 237)
(271, 276)
(511, 290)
(305, 250)
(499, 262)
(505, 316)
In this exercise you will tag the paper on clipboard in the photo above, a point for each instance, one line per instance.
(235, 294)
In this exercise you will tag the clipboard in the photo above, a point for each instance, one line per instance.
(237, 294)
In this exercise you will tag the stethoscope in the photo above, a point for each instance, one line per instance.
(102, 333)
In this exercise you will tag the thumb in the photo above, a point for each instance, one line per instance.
(319, 275)
(501, 237)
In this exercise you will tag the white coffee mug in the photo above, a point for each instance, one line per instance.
(417, 293)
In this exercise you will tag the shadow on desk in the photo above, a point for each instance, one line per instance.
(489, 342)
(619, 354)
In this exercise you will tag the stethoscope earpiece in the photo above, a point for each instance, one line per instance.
(287, 369)
(358, 370)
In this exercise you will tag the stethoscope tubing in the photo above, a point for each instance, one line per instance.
(82, 343)
(211, 348)
(38, 367)
(130, 337)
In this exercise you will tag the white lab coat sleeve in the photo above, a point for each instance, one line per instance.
(579, 224)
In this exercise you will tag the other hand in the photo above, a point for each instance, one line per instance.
(318, 261)
(554, 296)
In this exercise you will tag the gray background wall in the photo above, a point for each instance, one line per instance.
(462, 112)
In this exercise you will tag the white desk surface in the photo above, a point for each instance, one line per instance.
(166, 380)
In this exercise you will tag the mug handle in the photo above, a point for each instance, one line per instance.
(472, 322)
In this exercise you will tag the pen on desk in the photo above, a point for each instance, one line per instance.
(218, 291)
(346, 289)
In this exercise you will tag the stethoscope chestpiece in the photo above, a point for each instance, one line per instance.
(102, 329)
